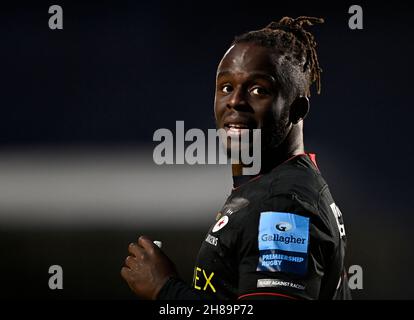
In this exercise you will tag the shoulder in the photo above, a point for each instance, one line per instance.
(296, 190)
(299, 178)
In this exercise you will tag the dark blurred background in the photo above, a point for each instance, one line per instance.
(79, 107)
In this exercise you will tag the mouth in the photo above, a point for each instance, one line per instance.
(237, 128)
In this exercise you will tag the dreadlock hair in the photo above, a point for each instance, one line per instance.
(297, 52)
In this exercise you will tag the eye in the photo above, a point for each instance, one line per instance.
(227, 88)
(259, 91)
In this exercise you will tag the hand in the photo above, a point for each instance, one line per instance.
(147, 268)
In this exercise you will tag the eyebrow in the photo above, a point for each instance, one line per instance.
(253, 75)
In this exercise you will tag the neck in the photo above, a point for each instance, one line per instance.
(292, 145)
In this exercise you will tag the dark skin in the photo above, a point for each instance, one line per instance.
(146, 268)
(249, 97)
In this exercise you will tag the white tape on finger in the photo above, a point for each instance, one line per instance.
(158, 244)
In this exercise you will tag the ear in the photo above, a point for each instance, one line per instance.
(299, 109)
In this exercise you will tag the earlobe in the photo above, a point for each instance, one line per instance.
(299, 109)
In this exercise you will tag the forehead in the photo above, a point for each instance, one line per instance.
(248, 58)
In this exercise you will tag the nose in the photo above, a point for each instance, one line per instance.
(237, 100)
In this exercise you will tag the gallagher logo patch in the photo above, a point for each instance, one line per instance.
(283, 242)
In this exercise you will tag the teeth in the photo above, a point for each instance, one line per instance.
(237, 126)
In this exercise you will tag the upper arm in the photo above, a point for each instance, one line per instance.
(285, 250)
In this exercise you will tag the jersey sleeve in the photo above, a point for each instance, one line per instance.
(285, 250)
(177, 289)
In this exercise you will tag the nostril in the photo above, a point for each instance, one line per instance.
(243, 107)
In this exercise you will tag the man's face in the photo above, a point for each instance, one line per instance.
(248, 95)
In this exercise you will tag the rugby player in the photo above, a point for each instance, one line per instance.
(280, 234)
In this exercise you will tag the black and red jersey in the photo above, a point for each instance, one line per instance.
(278, 236)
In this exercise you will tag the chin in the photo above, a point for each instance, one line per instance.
(237, 150)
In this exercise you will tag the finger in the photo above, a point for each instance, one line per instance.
(135, 250)
(126, 273)
(130, 262)
(147, 244)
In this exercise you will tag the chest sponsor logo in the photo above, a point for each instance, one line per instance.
(283, 242)
(203, 280)
(221, 223)
(211, 240)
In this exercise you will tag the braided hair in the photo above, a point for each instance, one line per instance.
(300, 65)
